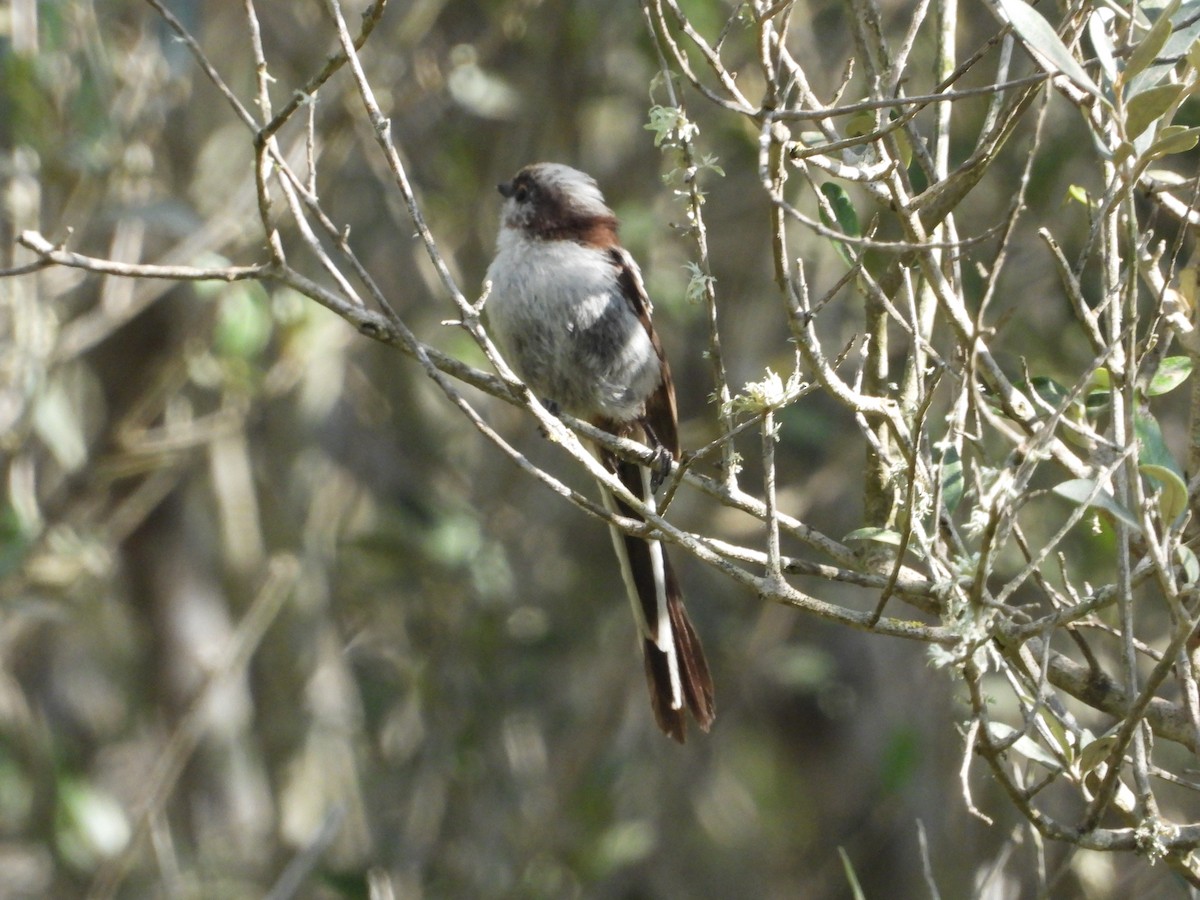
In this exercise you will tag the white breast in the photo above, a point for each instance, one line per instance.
(557, 312)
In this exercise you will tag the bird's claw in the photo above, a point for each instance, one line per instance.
(554, 409)
(660, 467)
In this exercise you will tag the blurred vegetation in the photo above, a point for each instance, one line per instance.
(276, 621)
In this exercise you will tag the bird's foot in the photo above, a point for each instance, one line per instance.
(660, 467)
(554, 409)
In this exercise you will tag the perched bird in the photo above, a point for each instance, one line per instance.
(570, 313)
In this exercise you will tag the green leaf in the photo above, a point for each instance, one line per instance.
(952, 480)
(1124, 149)
(59, 418)
(848, 867)
(1048, 389)
(1152, 449)
(1173, 139)
(1148, 106)
(1025, 745)
(1156, 462)
(1064, 739)
(1102, 43)
(903, 147)
(864, 123)
(1099, 391)
(887, 536)
(1193, 55)
(244, 323)
(845, 214)
(1096, 752)
(1049, 51)
(1079, 194)
(1148, 49)
(670, 126)
(843, 209)
(1172, 501)
(1191, 565)
(90, 823)
(1172, 372)
(860, 124)
(709, 162)
(1080, 490)
(698, 283)
(879, 535)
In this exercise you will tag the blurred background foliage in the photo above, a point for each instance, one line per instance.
(275, 617)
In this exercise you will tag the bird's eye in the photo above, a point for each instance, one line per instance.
(521, 194)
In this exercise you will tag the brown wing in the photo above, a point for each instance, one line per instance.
(661, 416)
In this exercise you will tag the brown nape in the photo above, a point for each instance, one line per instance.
(595, 231)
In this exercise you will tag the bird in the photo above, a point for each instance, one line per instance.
(569, 312)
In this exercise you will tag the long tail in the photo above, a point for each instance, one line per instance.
(676, 670)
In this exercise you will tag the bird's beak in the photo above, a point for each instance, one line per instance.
(505, 188)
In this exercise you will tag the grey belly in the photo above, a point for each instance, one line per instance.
(603, 368)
